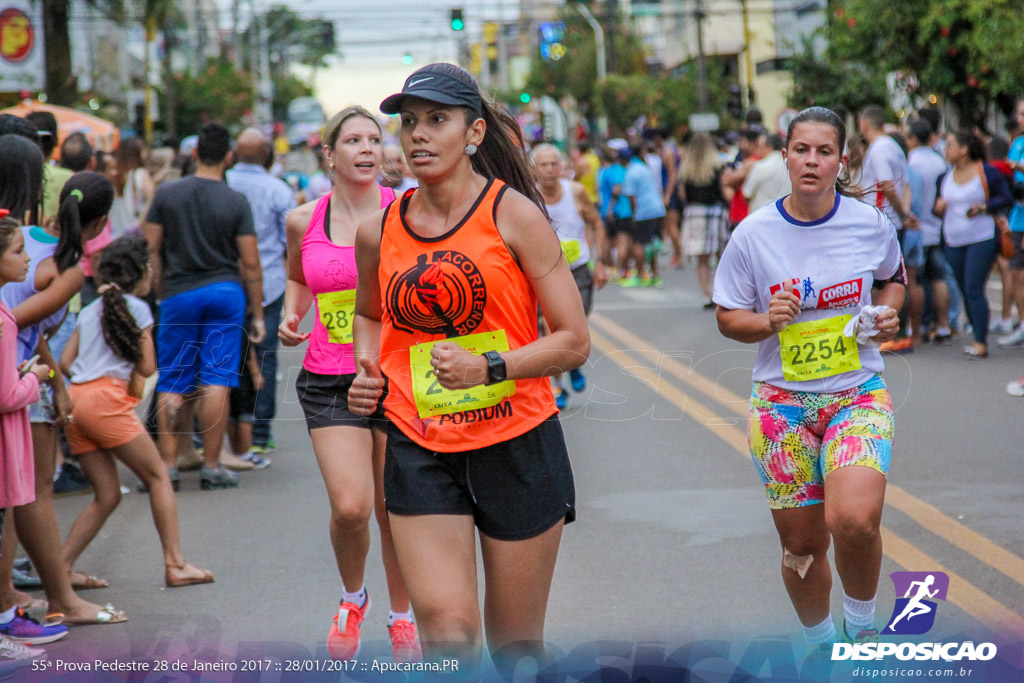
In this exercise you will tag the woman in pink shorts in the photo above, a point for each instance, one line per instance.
(349, 449)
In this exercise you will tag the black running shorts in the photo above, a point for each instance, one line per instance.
(514, 490)
(324, 401)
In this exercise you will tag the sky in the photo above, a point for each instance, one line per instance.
(375, 36)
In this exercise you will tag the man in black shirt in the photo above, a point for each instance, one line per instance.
(206, 270)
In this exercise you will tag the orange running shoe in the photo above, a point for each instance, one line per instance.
(405, 643)
(344, 644)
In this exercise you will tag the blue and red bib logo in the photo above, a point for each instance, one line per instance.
(914, 613)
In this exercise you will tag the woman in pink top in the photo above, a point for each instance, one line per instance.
(348, 448)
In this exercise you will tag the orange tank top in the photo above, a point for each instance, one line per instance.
(463, 286)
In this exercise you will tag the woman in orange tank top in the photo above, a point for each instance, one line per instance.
(450, 277)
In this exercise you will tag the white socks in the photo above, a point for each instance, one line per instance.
(859, 614)
(357, 598)
(825, 632)
(8, 616)
(399, 616)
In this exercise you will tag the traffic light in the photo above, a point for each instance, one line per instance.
(735, 102)
(524, 97)
(458, 22)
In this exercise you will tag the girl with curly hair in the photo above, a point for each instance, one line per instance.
(108, 358)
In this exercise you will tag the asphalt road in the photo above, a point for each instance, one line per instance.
(673, 544)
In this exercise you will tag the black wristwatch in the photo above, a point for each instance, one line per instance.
(496, 370)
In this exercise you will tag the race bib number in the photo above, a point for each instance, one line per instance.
(337, 309)
(817, 349)
(572, 250)
(433, 399)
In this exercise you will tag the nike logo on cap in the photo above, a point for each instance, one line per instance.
(421, 80)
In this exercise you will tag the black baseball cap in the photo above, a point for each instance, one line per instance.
(437, 83)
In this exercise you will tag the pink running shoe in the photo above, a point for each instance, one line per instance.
(343, 638)
(405, 642)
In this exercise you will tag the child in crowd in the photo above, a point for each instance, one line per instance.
(108, 354)
(243, 407)
(17, 473)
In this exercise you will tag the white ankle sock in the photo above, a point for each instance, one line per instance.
(8, 616)
(825, 632)
(399, 616)
(357, 598)
(859, 614)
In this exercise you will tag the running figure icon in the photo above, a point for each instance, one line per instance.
(916, 607)
(808, 288)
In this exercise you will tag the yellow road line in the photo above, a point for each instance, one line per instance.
(923, 513)
(967, 596)
(962, 592)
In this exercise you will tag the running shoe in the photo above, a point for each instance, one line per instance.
(867, 635)
(653, 282)
(817, 666)
(1000, 326)
(902, 345)
(11, 651)
(577, 380)
(263, 449)
(257, 461)
(405, 643)
(562, 399)
(1014, 338)
(631, 282)
(233, 462)
(345, 644)
(27, 631)
(218, 478)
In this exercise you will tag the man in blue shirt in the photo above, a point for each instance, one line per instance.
(648, 215)
(271, 199)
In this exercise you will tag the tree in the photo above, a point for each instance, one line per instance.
(294, 40)
(217, 93)
(824, 80)
(965, 50)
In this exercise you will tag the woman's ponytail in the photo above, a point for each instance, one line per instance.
(86, 196)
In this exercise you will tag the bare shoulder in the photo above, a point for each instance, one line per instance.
(298, 219)
(515, 209)
(369, 232)
(578, 191)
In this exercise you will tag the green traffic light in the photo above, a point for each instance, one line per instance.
(524, 98)
(458, 24)
(407, 59)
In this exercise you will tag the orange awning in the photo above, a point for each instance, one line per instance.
(101, 134)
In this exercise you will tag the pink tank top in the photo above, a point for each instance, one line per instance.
(330, 273)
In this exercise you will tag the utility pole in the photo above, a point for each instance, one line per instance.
(236, 38)
(602, 65)
(702, 70)
(748, 58)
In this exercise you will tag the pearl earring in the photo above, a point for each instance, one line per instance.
(471, 149)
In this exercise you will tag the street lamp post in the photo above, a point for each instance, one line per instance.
(602, 65)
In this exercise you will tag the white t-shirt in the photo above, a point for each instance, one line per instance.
(884, 161)
(95, 358)
(959, 229)
(767, 181)
(930, 165)
(832, 264)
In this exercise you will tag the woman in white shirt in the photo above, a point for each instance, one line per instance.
(794, 275)
(969, 196)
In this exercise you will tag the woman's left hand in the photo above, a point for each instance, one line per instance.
(975, 210)
(457, 368)
(888, 324)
